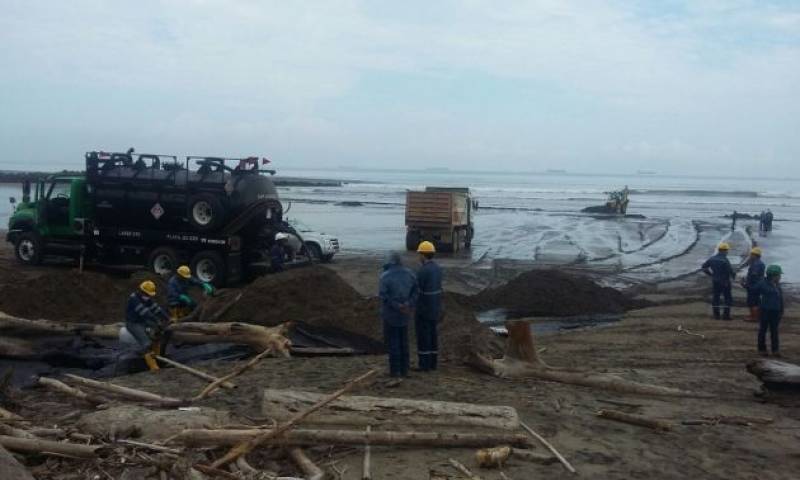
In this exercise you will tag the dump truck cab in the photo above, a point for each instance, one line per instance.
(56, 210)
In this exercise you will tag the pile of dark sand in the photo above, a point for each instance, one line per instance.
(553, 293)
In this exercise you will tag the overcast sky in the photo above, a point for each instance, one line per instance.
(677, 87)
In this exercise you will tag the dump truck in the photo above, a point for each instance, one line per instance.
(218, 215)
(441, 215)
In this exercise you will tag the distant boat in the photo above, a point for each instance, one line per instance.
(646, 172)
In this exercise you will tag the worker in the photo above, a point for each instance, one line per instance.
(277, 253)
(771, 306)
(429, 308)
(398, 294)
(178, 299)
(755, 273)
(721, 272)
(146, 321)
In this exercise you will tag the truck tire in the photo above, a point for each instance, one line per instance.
(205, 212)
(163, 261)
(28, 248)
(412, 240)
(314, 252)
(209, 266)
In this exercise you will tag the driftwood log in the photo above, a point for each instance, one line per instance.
(775, 372)
(363, 410)
(521, 360)
(11, 469)
(193, 371)
(639, 420)
(58, 386)
(256, 336)
(550, 447)
(36, 445)
(306, 465)
(130, 393)
(227, 437)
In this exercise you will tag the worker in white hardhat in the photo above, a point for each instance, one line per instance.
(277, 254)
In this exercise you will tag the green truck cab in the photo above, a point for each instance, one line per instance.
(53, 218)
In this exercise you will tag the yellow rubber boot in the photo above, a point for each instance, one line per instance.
(150, 360)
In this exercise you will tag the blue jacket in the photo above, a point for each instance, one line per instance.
(429, 281)
(178, 286)
(398, 288)
(143, 310)
(719, 268)
(755, 273)
(771, 295)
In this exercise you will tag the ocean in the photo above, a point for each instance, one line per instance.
(675, 222)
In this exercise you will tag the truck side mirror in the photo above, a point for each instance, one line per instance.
(12, 200)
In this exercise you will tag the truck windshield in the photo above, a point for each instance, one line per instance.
(59, 190)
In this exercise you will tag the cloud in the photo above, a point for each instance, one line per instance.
(298, 79)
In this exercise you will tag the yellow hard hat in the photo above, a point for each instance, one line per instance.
(184, 271)
(724, 246)
(148, 287)
(426, 247)
(755, 251)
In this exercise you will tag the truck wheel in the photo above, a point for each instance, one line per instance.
(412, 240)
(28, 248)
(209, 266)
(327, 258)
(205, 212)
(163, 261)
(314, 252)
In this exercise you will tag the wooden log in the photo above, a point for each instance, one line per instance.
(27, 327)
(308, 467)
(463, 469)
(280, 404)
(130, 393)
(256, 336)
(246, 447)
(639, 420)
(227, 437)
(550, 447)
(10, 431)
(366, 464)
(11, 469)
(522, 361)
(238, 371)
(776, 372)
(29, 445)
(58, 386)
(193, 371)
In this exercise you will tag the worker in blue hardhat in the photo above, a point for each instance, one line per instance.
(771, 310)
(719, 268)
(429, 308)
(178, 299)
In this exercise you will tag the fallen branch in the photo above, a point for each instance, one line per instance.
(550, 447)
(463, 469)
(194, 371)
(29, 445)
(309, 468)
(59, 386)
(130, 393)
(228, 437)
(635, 420)
(246, 447)
(522, 361)
(366, 474)
(238, 371)
(688, 332)
(150, 446)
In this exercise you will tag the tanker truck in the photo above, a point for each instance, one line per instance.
(218, 215)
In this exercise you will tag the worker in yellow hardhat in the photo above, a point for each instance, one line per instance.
(146, 321)
(721, 272)
(429, 308)
(178, 299)
(755, 273)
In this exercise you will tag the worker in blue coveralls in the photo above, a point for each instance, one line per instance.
(398, 295)
(429, 308)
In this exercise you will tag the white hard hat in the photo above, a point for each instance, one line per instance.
(281, 236)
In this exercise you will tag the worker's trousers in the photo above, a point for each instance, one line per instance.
(427, 341)
(396, 339)
(770, 320)
(721, 291)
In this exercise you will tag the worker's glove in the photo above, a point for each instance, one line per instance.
(186, 300)
(208, 289)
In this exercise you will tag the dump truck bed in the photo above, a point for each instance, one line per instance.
(437, 208)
